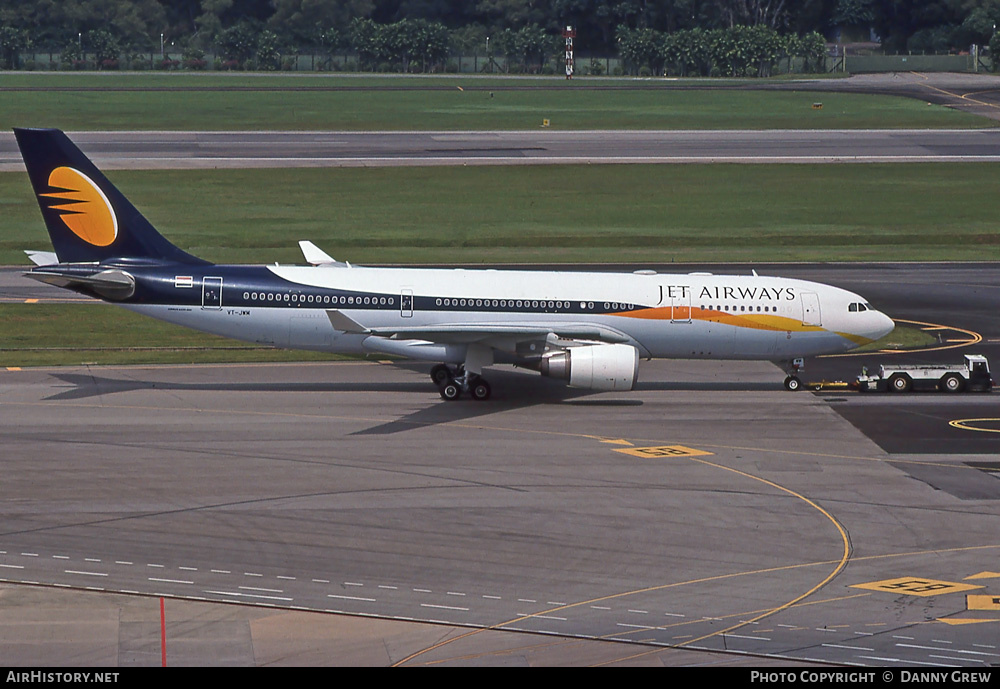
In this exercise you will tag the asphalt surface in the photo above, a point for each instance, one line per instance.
(182, 150)
(342, 513)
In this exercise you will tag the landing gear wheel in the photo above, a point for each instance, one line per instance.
(450, 391)
(793, 384)
(440, 374)
(900, 383)
(480, 390)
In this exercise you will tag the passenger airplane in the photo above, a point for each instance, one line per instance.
(589, 329)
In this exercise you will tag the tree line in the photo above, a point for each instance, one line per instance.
(420, 33)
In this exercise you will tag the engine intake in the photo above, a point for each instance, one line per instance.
(594, 367)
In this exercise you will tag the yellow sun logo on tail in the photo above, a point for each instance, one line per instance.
(83, 207)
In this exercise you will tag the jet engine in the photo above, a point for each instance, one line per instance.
(594, 367)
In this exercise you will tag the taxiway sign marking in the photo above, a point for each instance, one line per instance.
(916, 586)
(663, 451)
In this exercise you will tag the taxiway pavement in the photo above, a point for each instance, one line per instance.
(342, 513)
(184, 150)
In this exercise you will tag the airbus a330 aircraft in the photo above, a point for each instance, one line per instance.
(590, 329)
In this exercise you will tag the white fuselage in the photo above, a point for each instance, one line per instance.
(662, 315)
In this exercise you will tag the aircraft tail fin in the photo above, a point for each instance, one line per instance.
(88, 219)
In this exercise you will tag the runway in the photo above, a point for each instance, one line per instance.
(198, 150)
(342, 513)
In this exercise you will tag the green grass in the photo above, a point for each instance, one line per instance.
(98, 333)
(904, 337)
(324, 102)
(542, 214)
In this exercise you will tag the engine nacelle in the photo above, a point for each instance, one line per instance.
(594, 367)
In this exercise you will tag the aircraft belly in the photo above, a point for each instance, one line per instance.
(285, 328)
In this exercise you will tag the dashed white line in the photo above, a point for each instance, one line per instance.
(249, 595)
(443, 607)
(949, 650)
(89, 574)
(850, 648)
(169, 581)
(12, 566)
(359, 598)
(900, 660)
(257, 588)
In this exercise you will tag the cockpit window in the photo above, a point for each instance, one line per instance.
(855, 307)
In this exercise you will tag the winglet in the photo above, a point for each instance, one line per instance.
(345, 323)
(317, 257)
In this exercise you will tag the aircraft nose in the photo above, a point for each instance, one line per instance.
(883, 326)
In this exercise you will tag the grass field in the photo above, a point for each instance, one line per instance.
(545, 214)
(99, 333)
(332, 102)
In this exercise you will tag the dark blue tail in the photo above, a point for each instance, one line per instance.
(88, 219)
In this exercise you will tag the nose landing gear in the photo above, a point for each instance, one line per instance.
(793, 383)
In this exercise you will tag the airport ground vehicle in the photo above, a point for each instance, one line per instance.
(971, 375)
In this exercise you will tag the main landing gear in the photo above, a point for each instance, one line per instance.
(453, 382)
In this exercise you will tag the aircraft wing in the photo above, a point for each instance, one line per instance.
(502, 335)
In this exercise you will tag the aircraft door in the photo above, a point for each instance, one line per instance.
(810, 309)
(211, 293)
(406, 303)
(680, 311)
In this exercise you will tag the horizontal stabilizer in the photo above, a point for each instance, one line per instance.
(42, 258)
(113, 283)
